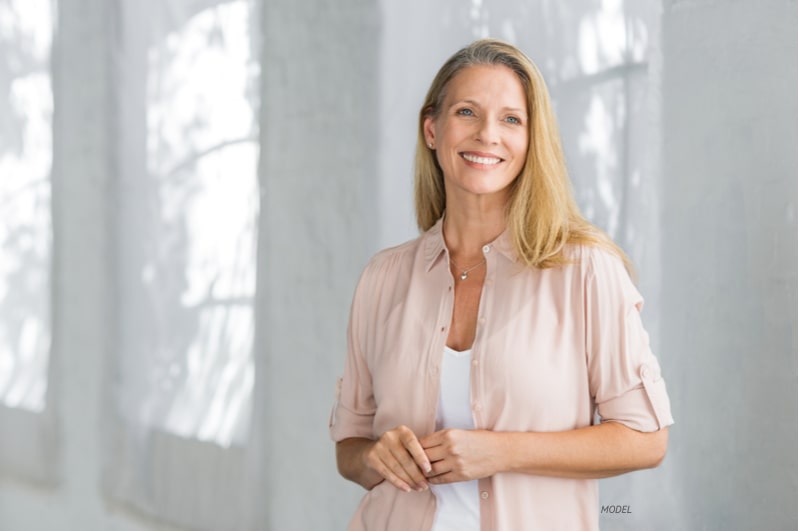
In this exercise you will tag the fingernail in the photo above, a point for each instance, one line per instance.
(422, 487)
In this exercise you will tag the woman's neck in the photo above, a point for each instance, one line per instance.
(466, 231)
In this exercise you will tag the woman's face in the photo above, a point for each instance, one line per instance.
(481, 132)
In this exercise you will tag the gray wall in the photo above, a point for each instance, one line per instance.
(730, 260)
(317, 229)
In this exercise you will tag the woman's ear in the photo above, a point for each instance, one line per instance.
(429, 130)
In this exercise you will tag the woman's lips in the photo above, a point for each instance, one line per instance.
(485, 159)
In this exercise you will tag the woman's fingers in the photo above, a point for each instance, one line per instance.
(436, 453)
(444, 466)
(402, 483)
(405, 467)
(460, 455)
(399, 458)
(415, 449)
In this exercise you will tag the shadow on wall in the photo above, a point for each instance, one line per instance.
(26, 110)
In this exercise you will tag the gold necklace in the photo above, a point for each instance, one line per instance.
(467, 270)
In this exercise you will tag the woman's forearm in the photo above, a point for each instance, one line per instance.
(600, 451)
(605, 450)
(350, 461)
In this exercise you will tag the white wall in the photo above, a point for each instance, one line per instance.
(81, 184)
(343, 81)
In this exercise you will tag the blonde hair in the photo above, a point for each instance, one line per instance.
(542, 215)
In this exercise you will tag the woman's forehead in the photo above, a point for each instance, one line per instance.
(487, 84)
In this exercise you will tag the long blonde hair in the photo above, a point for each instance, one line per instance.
(542, 215)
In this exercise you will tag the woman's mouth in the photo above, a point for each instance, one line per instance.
(481, 159)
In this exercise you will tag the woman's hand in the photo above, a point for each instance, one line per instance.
(461, 455)
(399, 458)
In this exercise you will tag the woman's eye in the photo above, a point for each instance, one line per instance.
(465, 112)
(513, 120)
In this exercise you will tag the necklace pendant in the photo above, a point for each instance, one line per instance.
(464, 275)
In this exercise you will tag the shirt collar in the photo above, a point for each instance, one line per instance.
(433, 242)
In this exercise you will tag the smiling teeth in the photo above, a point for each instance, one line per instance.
(480, 160)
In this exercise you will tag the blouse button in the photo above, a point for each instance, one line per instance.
(474, 363)
(484, 495)
(477, 407)
(486, 249)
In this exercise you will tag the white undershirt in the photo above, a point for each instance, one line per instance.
(457, 504)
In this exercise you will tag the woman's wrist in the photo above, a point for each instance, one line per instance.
(369, 477)
(512, 451)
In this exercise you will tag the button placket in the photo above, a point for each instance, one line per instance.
(438, 344)
(478, 345)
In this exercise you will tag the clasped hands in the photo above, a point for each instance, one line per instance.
(446, 456)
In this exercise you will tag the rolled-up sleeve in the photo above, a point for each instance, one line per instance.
(624, 375)
(354, 406)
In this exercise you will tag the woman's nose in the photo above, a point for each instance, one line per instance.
(488, 131)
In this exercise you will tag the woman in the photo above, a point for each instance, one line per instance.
(480, 353)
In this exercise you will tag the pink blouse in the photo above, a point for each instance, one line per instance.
(553, 347)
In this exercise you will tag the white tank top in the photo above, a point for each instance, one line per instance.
(457, 504)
